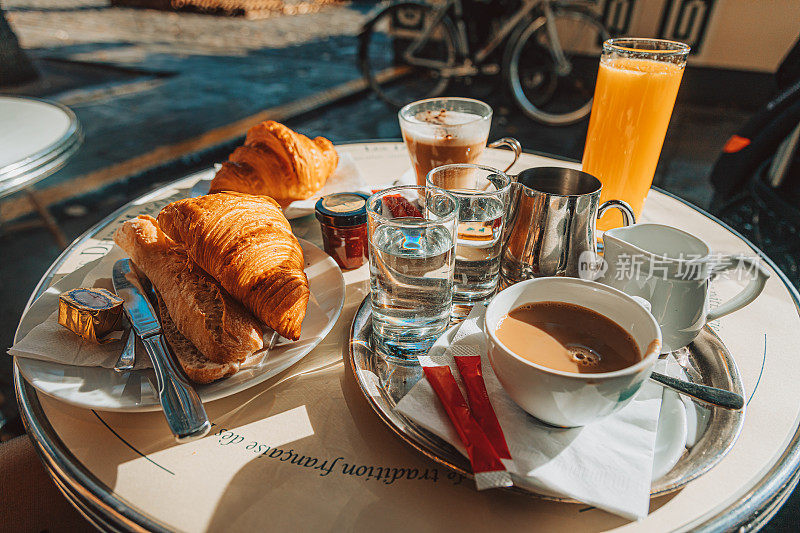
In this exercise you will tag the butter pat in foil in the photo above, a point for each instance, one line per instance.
(90, 313)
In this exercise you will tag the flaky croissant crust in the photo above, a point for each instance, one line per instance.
(278, 162)
(246, 244)
(200, 309)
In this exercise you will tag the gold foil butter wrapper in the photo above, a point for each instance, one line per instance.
(90, 313)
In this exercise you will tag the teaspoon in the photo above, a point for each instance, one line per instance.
(701, 393)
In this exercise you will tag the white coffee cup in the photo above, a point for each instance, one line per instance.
(562, 398)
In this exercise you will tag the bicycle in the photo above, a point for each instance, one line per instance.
(412, 50)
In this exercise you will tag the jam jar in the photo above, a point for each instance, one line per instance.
(343, 218)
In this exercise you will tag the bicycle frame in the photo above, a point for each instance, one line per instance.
(461, 44)
(507, 27)
(419, 41)
(433, 39)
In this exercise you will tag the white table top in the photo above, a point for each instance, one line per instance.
(34, 135)
(28, 127)
(130, 468)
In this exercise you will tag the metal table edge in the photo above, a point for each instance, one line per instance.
(768, 494)
(68, 471)
(54, 151)
(40, 169)
(83, 509)
(72, 130)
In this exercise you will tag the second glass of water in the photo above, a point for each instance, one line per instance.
(411, 256)
(482, 194)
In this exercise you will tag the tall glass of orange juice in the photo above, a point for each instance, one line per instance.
(636, 88)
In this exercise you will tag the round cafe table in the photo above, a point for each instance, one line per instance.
(124, 471)
(37, 138)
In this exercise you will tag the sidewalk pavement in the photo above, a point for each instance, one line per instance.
(176, 81)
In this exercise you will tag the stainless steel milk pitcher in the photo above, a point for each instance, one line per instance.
(550, 226)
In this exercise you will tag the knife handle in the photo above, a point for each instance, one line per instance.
(185, 414)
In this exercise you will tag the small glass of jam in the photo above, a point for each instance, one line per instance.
(343, 218)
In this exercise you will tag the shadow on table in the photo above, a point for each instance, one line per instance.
(372, 477)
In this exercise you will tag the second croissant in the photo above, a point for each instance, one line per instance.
(277, 162)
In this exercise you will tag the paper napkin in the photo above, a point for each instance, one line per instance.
(607, 464)
(45, 339)
(346, 178)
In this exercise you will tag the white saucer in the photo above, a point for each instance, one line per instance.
(671, 434)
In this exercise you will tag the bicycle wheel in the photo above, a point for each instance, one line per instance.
(540, 88)
(383, 42)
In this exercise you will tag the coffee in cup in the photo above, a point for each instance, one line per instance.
(567, 337)
(569, 398)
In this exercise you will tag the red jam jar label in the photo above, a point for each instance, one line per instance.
(343, 220)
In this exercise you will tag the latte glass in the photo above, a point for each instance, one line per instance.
(441, 131)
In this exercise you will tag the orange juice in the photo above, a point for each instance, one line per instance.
(633, 102)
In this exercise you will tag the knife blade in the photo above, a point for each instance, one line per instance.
(183, 409)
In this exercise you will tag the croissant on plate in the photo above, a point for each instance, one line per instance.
(244, 242)
(210, 333)
(226, 332)
(278, 162)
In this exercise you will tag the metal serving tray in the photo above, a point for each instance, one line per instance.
(706, 361)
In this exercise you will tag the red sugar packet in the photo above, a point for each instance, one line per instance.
(469, 366)
(486, 464)
(400, 207)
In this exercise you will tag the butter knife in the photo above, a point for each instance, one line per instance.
(127, 359)
(183, 409)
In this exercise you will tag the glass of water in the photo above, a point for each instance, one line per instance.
(483, 194)
(411, 254)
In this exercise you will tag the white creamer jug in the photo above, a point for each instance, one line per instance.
(672, 270)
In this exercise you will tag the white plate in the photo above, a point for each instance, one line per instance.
(671, 432)
(105, 390)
